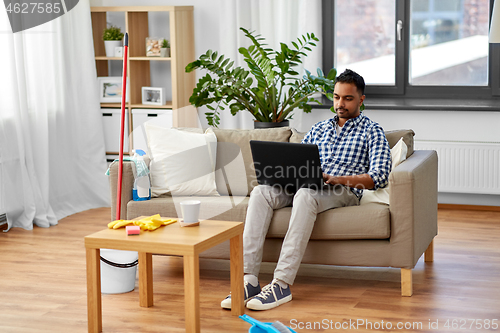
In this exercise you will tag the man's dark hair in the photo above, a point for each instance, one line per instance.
(349, 76)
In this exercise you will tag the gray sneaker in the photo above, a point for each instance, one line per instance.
(270, 297)
(250, 292)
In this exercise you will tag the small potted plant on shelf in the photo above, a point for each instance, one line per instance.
(112, 37)
(165, 48)
(270, 90)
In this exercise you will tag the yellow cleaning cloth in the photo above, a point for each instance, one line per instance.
(147, 223)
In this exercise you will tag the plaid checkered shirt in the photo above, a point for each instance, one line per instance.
(360, 148)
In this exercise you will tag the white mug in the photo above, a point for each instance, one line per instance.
(190, 211)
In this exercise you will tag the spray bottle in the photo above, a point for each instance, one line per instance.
(142, 184)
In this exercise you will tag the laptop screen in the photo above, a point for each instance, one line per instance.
(285, 164)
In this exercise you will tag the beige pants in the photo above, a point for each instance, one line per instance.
(307, 203)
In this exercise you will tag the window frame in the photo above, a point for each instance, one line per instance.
(402, 88)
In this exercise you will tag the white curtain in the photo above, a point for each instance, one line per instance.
(277, 21)
(52, 155)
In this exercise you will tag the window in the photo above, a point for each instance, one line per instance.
(364, 42)
(411, 48)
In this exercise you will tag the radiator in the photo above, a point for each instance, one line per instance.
(466, 167)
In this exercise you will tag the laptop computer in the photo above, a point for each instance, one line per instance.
(289, 165)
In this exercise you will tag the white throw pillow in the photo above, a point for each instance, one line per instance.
(398, 155)
(182, 163)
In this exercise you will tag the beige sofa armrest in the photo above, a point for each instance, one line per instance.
(413, 205)
(127, 185)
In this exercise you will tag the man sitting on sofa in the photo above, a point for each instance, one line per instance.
(354, 155)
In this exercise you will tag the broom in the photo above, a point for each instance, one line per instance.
(122, 128)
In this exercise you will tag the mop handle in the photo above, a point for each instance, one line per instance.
(122, 128)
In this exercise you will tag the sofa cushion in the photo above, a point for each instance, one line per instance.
(223, 208)
(235, 179)
(191, 129)
(297, 136)
(182, 163)
(370, 221)
(407, 135)
(381, 195)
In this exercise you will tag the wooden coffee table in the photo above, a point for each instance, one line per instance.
(171, 240)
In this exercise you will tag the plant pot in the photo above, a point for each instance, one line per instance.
(165, 52)
(259, 124)
(110, 45)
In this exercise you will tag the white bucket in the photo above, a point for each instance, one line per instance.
(118, 271)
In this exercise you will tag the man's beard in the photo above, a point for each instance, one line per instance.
(337, 110)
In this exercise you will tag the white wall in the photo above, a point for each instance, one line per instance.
(428, 125)
(443, 125)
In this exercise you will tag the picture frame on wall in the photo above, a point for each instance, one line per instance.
(110, 89)
(154, 96)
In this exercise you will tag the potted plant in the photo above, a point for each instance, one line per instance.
(165, 48)
(112, 37)
(270, 90)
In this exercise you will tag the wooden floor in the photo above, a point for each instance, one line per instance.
(43, 287)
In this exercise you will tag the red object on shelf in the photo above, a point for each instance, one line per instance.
(122, 129)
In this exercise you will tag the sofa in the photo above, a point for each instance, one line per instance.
(370, 235)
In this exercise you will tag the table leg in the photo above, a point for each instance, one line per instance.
(94, 304)
(236, 265)
(145, 279)
(192, 293)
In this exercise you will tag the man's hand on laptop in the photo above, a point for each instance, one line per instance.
(362, 182)
(334, 180)
(329, 179)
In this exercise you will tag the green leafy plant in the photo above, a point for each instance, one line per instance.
(270, 90)
(112, 33)
(165, 44)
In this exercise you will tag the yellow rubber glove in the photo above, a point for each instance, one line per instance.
(118, 224)
(166, 221)
(112, 223)
(147, 223)
(157, 219)
(122, 223)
